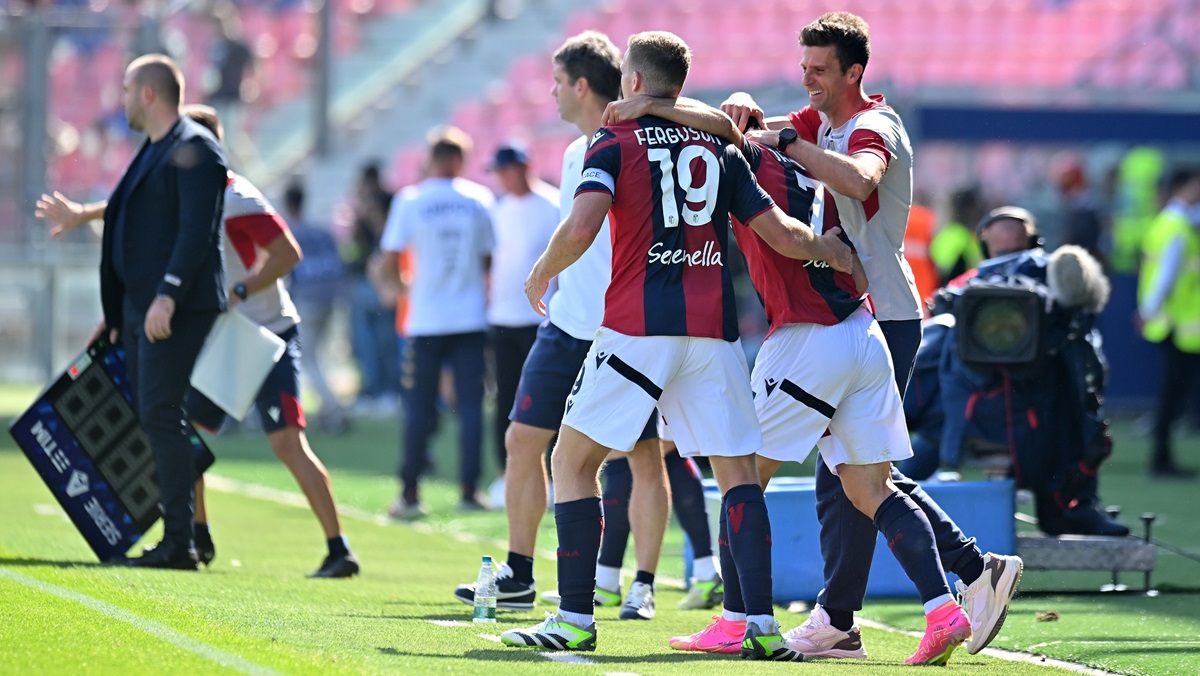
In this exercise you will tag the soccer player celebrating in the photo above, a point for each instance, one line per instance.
(669, 336)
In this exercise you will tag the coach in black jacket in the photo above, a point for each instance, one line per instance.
(162, 280)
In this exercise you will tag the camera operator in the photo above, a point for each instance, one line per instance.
(1011, 362)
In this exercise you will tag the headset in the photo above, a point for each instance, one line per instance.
(1017, 214)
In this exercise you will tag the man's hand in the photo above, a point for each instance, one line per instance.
(626, 109)
(65, 214)
(158, 318)
(769, 139)
(113, 335)
(839, 256)
(740, 106)
(535, 290)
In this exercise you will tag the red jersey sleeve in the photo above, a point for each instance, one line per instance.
(869, 141)
(807, 123)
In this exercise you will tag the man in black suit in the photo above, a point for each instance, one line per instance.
(162, 280)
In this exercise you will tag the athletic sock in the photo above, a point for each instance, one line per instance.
(842, 620)
(607, 577)
(764, 622)
(935, 603)
(522, 567)
(338, 546)
(971, 570)
(577, 619)
(687, 497)
(579, 524)
(733, 604)
(731, 616)
(618, 486)
(750, 542)
(910, 537)
(645, 578)
(201, 531)
(704, 567)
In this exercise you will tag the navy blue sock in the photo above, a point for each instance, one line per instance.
(338, 545)
(729, 569)
(522, 567)
(687, 496)
(644, 577)
(579, 525)
(201, 531)
(910, 537)
(750, 542)
(618, 486)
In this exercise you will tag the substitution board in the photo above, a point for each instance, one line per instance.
(83, 438)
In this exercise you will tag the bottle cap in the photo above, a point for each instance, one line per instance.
(487, 559)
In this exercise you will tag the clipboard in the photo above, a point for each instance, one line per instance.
(235, 360)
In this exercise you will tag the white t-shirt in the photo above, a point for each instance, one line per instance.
(523, 226)
(251, 223)
(578, 306)
(445, 224)
(875, 225)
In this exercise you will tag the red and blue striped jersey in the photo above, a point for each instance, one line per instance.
(673, 189)
(795, 291)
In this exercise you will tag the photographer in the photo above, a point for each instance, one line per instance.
(1011, 364)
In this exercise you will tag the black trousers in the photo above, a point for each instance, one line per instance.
(847, 535)
(426, 355)
(1179, 370)
(510, 348)
(160, 373)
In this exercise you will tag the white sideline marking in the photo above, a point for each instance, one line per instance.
(1155, 642)
(151, 627)
(1008, 655)
(449, 623)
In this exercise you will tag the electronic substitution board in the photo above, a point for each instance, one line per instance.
(83, 438)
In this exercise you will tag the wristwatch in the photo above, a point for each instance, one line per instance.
(240, 291)
(787, 136)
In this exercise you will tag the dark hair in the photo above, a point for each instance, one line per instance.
(370, 171)
(1181, 176)
(205, 116)
(293, 195)
(662, 58)
(448, 143)
(592, 56)
(159, 72)
(846, 32)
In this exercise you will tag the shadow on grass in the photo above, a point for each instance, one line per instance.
(511, 654)
(50, 563)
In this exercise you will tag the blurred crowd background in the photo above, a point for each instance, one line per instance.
(1075, 109)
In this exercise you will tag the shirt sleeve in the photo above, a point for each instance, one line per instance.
(602, 164)
(487, 233)
(753, 153)
(396, 232)
(1164, 281)
(748, 199)
(869, 141)
(807, 122)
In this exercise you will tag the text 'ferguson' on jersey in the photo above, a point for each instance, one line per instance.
(673, 189)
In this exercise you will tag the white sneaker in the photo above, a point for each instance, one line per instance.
(496, 494)
(639, 604)
(986, 600)
(817, 638)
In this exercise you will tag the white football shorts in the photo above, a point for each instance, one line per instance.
(700, 385)
(809, 378)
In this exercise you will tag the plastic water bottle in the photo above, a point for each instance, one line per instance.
(485, 592)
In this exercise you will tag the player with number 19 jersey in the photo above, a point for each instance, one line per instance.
(674, 189)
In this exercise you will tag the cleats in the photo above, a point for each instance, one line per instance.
(722, 636)
(818, 638)
(945, 629)
(987, 599)
(554, 633)
(767, 643)
(639, 605)
(337, 565)
(510, 594)
(704, 594)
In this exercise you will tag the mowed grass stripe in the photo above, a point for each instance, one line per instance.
(151, 627)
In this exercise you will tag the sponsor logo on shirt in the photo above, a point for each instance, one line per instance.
(706, 257)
